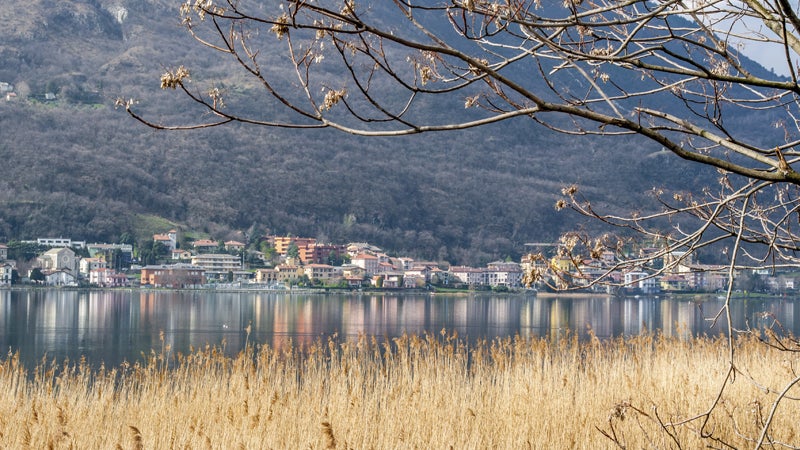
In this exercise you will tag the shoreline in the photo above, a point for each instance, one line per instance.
(688, 296)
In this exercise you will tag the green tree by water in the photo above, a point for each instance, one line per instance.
(37, 276)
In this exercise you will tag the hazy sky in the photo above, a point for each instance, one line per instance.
(771, 56)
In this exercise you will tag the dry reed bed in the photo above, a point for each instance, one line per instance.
(414, 392)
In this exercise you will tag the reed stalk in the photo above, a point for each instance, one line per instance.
(432, 391)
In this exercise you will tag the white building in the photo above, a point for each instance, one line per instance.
(169, 239)
(86, 265)
(501, 273)
(369, 263)
(60, 242)
(6, 272)
(58, 259)
(469, 275)
(58, 278)
(107, 278)
(642, 281)
(219, 265)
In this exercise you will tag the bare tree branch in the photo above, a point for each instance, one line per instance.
(672, 71)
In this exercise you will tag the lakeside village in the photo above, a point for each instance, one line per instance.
(291, 262)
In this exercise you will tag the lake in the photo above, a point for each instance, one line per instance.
(113, 326)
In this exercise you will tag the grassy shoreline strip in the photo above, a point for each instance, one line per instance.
(412, 392)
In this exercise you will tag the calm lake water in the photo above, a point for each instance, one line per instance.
(115, 326)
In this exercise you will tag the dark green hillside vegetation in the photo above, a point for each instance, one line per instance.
(83, 172)
(77, 167)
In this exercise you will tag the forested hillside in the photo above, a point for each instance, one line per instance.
(76, 166)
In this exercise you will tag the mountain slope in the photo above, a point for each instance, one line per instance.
(77, 167)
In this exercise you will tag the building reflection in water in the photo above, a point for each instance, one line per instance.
(127, 325)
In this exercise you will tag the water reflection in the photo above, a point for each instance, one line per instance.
(117, 326)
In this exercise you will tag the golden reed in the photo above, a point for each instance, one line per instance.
(433, 392)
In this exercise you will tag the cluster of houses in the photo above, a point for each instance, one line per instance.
(664, 272)
(302, 260)
(360, 265)
(307, 260)
(61, 265)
